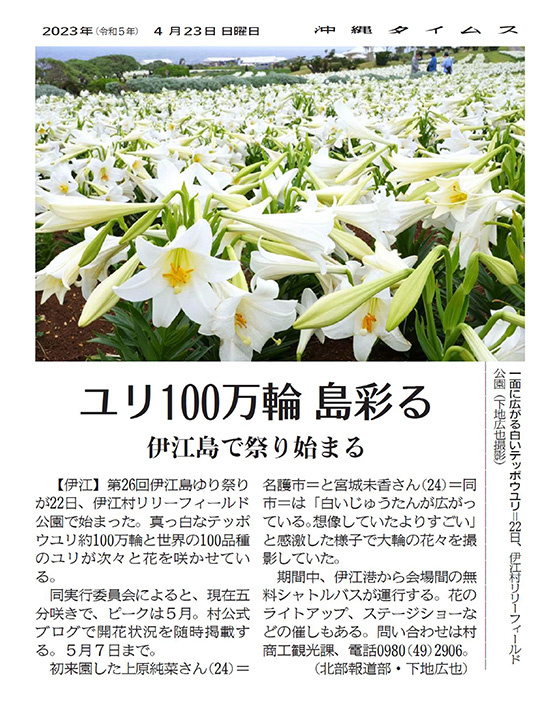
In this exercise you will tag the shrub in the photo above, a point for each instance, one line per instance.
(99, 85)
(382, 58)
(41, 90)
(116, 88)
(337, 79)
(171, 71)
(53, 72)
(155, 84)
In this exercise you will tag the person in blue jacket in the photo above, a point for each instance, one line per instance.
(447, 63)
(432, 65)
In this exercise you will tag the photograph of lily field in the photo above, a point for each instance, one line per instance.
(303, 204)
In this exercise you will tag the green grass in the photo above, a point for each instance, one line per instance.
(497, 57)
(303, 71)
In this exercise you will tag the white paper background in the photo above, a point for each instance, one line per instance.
(46, 437)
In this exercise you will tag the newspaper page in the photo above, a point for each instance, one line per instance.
(324, 207)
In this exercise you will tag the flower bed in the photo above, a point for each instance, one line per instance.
(242, 222)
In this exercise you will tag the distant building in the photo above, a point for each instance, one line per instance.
(258, 62)
(358, 52)
(261, 61)
(221, 61)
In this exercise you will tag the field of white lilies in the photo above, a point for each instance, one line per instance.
(236, 224)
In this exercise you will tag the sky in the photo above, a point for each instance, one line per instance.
(191, 54)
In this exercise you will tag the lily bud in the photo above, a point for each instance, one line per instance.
(476, 345)
(503, 270)
(140, 226)
(238, 279)
(272, 166)
(332, 308)
(274, 246)
(71, 213)
(234, 202)
(102, 299)
(453, 309)
(352, 244)
(471, 272)
(350, 196)
(94, 246)
(410, 290)
(515, 254)
(356, 167)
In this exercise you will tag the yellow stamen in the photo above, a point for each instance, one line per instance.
(178, 276)
(368, 321)
(64, 188)
(458, 194)
(240, 320)
(241, 323)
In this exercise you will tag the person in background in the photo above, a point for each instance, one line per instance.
(415, 65)
(447, 63)
(432, 65)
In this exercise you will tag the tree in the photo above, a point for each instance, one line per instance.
(85, 71)
(53, 72)
(170, 70)
(114, 65)
(153, 65)
(296, 63)
(330, 62)
(382, 58)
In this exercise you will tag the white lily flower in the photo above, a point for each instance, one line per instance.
(271, 266)
(327, 168)
(512, 347)
(458, 141)
(409, 212)
(353, 126)
(378, 218)
(115, 193)
(214, 185)
(77, 212)
(277, 186)
(385, 261)
(135, 164)
(454, 196)
(245, 320)
(110, 253)
(169, 178)
(410, 170)
(307, 230)
(178, 276)
(104, 172)
(61, 273)
(367, 324)
(61, 181)
(308, 298)
(473, 234)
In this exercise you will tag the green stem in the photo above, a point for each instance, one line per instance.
(459, 351)
(515, 319)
